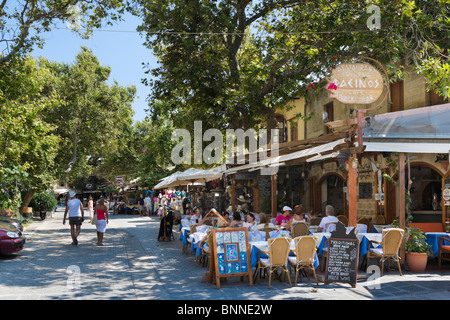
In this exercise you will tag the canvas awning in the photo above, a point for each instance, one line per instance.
(319, 151)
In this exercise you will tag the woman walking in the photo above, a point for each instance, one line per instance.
(102, 219)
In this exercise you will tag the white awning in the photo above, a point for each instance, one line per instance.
(407, 147)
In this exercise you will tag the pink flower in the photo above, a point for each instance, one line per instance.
(332, 86)
(312, 84)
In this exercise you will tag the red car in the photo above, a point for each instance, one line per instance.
(11, 239)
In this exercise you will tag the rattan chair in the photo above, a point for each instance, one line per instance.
(205, 244)
(305, 249)
(193, 230)
(315, 221)
(390, 245)
(299, 229)
(343, 219)
(330, 227)
(444, 251)
(379, 220)
(366, 221)
(268, 230)
(277, 258)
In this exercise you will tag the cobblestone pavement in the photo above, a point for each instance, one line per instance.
(133, 265)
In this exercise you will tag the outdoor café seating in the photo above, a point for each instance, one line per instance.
(278, 253)
(305, 250)
(299, 229)
(390, 245)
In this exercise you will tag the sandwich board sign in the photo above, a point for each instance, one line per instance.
(230, 254)
(343, 254)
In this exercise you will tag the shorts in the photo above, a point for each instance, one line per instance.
(77, 221)
(101, 226)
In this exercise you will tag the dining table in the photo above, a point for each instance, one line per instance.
(432, 238)
(364, 239)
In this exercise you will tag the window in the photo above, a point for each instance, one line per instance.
(294, 130)
(433, 98)
(282, 128)
(328, 116)
(397, 96)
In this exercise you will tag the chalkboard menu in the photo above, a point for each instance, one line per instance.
(265, 185)
(230, 254)
(343, 253)
(365, 190)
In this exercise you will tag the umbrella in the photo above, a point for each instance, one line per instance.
(167, 180)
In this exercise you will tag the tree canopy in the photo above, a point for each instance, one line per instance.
(232, 63)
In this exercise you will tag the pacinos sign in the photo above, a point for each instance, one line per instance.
(357, 83)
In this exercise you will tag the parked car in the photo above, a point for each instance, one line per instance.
(11, 238)
(16, 223)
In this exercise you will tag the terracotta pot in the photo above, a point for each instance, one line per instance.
(416, 262)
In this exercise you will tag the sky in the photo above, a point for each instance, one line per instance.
(122, 51)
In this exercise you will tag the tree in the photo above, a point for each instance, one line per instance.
(23, 22)
(91, 114)
(232, 63)
(28, 144)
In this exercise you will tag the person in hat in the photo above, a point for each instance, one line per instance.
(285, 217)
(76, 216)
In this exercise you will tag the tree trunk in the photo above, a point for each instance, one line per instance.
(26, 199)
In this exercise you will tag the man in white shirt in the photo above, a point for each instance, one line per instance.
(76, 216)
(329, 217)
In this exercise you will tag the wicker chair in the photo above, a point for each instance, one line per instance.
(343, 219)
(299, 229)
(330, 227)
(391, 241)
(380, 220)
(366, 221)
(267, 230)
(277, 258)
(305, 249)
(444, 251)
(315, 221)
(193, 230)
(205, 244)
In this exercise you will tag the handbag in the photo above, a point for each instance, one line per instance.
(94, 219)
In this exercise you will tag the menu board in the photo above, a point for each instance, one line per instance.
(343, 254)
(230, 254)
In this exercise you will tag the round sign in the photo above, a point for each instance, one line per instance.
(446, 194)
(357, 83)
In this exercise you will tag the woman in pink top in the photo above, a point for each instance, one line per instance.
(102, 219)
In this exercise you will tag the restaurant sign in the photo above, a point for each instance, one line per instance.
(357, 83)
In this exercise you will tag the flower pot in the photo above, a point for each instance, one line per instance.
(5, 212)
(27, 211)
(416, 262)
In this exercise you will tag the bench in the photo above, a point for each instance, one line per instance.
(428, 226)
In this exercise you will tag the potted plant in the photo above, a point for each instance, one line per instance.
(417, 249)
(43, 201)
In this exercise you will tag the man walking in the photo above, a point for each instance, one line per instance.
(76, 216)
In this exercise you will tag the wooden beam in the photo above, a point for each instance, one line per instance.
(233, 193)
(274, 195)
(402, 199)
(351, 189)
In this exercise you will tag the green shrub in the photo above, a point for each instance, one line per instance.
(48, 200)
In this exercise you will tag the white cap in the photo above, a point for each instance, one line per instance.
(72, 194)
(286, 208)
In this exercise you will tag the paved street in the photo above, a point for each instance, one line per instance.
(133, 265)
